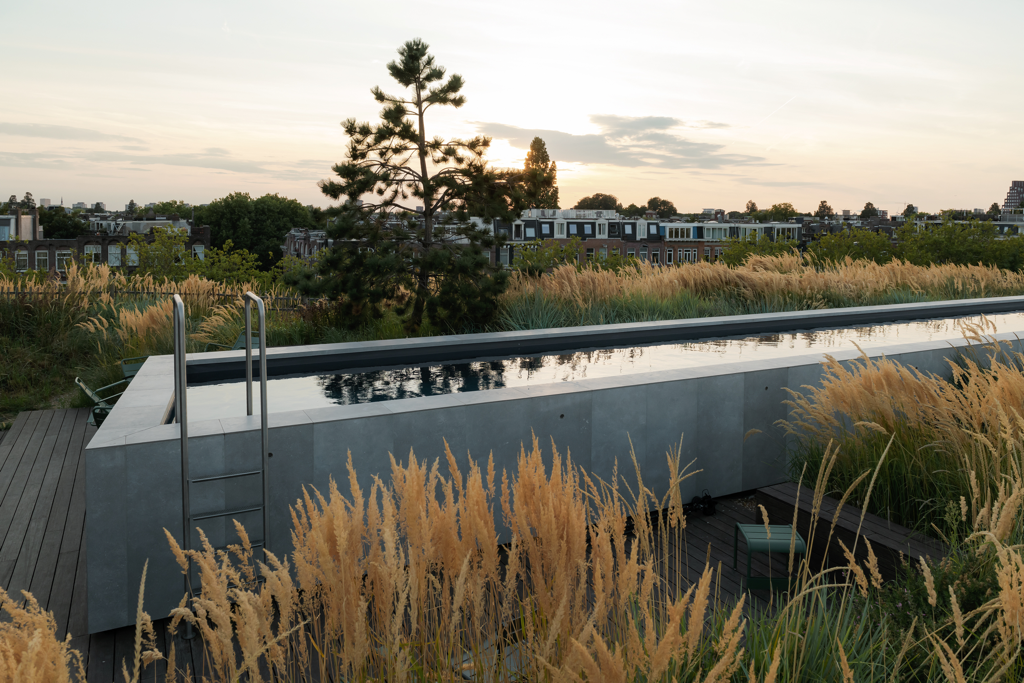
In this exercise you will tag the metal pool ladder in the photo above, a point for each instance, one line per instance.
(181, 416)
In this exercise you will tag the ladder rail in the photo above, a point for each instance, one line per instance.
(261, 312)
(181, 417)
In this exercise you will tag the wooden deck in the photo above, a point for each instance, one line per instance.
(42, 542)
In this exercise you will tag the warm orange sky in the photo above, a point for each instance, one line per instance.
(705, 104)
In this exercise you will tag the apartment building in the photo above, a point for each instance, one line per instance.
(1014, 196)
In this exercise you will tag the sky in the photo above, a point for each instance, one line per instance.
(706, 104)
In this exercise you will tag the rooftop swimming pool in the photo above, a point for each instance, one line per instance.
(326, 388)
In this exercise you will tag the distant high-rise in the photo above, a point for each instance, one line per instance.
(1014, 196)
(45, 202)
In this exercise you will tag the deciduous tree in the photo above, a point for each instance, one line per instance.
(869, 211)
(824, 211)
(663, 207)
(751, 207)
(600, 202)
(60, 225)
(540, 177)
(855, 243)
(256, 225)
(781, 212)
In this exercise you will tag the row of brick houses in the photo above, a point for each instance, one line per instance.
(604, 233)
(29, 249)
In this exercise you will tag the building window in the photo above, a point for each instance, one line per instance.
(572, 228)
(517, 231)
(615, 251)
(668, 257)
(655, 256)
(531, 233)
(718, 253)
(560, 230)
(590, 253)
(641, 231)
(588, 229)
(680, 255)
(503, 256)
(63, 259)
(630, 253)
(602, 229)
(43, 260)
(707, 253)
(629, 229)
(133, 256)
(199, 251)
(114, 255)
(604, 252)
(643, 253)
(92, 254)
(21, 261)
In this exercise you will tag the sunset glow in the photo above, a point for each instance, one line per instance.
(706, 104)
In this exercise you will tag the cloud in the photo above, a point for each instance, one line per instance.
(643, 141)
(213, 158)
(42, 130)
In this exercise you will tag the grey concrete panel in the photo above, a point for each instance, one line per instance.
(764, 461)
(369, 439)
(620, 423)
(291, 468)
(153, 499)
(107, 539)
(674, 425)
(719, 431)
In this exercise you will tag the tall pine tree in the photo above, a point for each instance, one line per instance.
(402, 237)
(540, 183)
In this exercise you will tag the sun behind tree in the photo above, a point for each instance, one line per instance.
(402, 237)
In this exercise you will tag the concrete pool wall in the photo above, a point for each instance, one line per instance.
(133, 463)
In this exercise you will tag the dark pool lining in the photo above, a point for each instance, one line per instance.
(417, 351)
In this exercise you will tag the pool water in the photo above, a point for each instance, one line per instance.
(367, 385)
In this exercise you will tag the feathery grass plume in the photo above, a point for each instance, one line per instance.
(145, 636)
(958, 617)
(952, 669)
(858, 573)
(872, 563)
(29, 648)
(929, 582)
(764, 519)
(845, 665)
(773, 670)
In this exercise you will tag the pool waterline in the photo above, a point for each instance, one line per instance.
(216, 400)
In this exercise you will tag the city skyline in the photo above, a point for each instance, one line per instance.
(704, 106)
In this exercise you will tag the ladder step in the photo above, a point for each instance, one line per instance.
(239, 511)
(225, 476)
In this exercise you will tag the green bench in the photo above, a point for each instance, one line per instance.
(758, 541)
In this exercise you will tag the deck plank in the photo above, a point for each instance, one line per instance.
(22, 428)
(28, 566)
(12, 435)
(15, 473)
(50, 555)
(18, 505)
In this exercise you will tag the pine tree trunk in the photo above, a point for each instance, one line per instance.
(423, 277)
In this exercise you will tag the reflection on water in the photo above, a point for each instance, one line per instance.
(370, 385)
